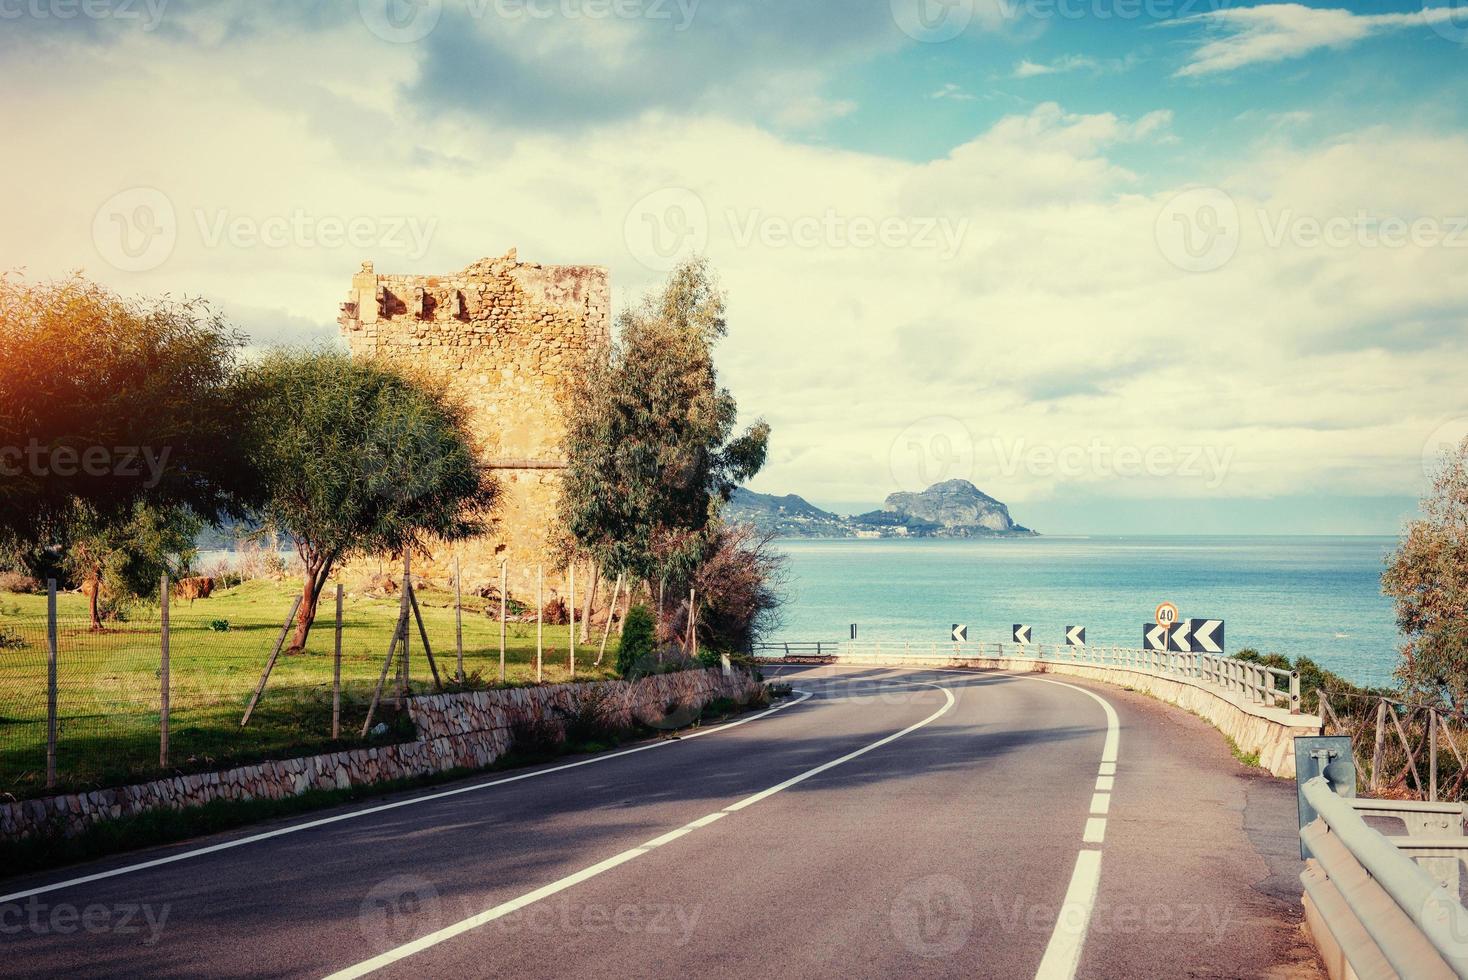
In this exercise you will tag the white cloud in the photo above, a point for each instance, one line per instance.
(1277, 32)
(953, 92)
(1057, 323)
(1072, 62)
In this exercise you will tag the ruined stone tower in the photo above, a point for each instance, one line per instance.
(507, 336)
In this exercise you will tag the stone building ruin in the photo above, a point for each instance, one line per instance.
(507, 336)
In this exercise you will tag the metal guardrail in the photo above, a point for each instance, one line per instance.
(1385, 914)
(801, 648)
(1259, 683)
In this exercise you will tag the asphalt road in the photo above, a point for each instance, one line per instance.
(896, 822)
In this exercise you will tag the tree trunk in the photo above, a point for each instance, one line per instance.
(94, 592)
(316, 571)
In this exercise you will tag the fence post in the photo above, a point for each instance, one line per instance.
(1380, 747)
(50, 683)
(336, 671)
(1432, 755)
(163, 677)
(504, 564)
(539, 618)
(459, 617)
(405, 679)
(1295, 706)
(571, 616)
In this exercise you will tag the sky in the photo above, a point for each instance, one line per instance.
(1178, 266)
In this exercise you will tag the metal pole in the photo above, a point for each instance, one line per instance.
(459, 617)
(503, 602)
(539, 620)
(336, 671)
(50, 683)
(163, 676)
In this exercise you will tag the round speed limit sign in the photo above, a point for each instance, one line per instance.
(1166, 614)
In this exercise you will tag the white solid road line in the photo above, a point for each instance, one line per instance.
(1063, 953)
(545, 891)
(383, 808)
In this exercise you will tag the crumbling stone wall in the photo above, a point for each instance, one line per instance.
(507, 337)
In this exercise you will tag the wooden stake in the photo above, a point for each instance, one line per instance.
(571, 614)
(611, 609)
(1431, 755)
(1407, 747)
(503, 605)
(400, 632)
(539, 619)
(163, 677)
(423, 634)
(404, 677)
(459, 619)
(589, 604)
(270, 664)
(336, 671)
(693, 622)
(1380, 748)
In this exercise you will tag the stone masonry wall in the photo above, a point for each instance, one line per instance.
(506, 337)
(455, 731)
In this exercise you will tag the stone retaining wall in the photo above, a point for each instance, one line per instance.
(455, 731)
(1268, 731)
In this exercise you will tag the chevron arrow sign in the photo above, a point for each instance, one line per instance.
(960, 633)
(1207, 635)
(1075, 636)
(1021, 633)
(1180, 638)
(1154, 637)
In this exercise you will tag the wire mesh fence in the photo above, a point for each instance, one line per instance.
(109, 684)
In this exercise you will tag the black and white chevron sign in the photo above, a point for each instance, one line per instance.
(960, 633)
(1154, 637)
(1075, 636)
(1180, 637)
(1021, 633)
(1207, 635)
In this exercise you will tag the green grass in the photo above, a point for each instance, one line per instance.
(109, 683)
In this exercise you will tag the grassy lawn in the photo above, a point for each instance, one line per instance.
(109, 687)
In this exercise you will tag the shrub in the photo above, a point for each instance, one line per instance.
(19, 582)
(638, 641)
(10, 640)
(219, 625)
(537, 737)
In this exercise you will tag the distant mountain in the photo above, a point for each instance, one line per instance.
(954, 509)
(790, 516)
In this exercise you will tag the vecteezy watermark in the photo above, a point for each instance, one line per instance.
(1449, 20)
(121, 462)
(1445, 439)
(679, 12)
(931, 450)
(147, 14)
(39, 918)
(657, 920)
(933, 916)
(408, 21)
(1199, 230)
(835, 231)
(1107, 460)
(137, 230)
(935, 21)
(1121, 919)
(398, 908)
(400, 21)
(932, 21)
(665, 227)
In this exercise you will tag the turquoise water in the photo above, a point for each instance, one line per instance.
(1316, 596)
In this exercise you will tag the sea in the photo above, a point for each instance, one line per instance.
(1314, 596)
